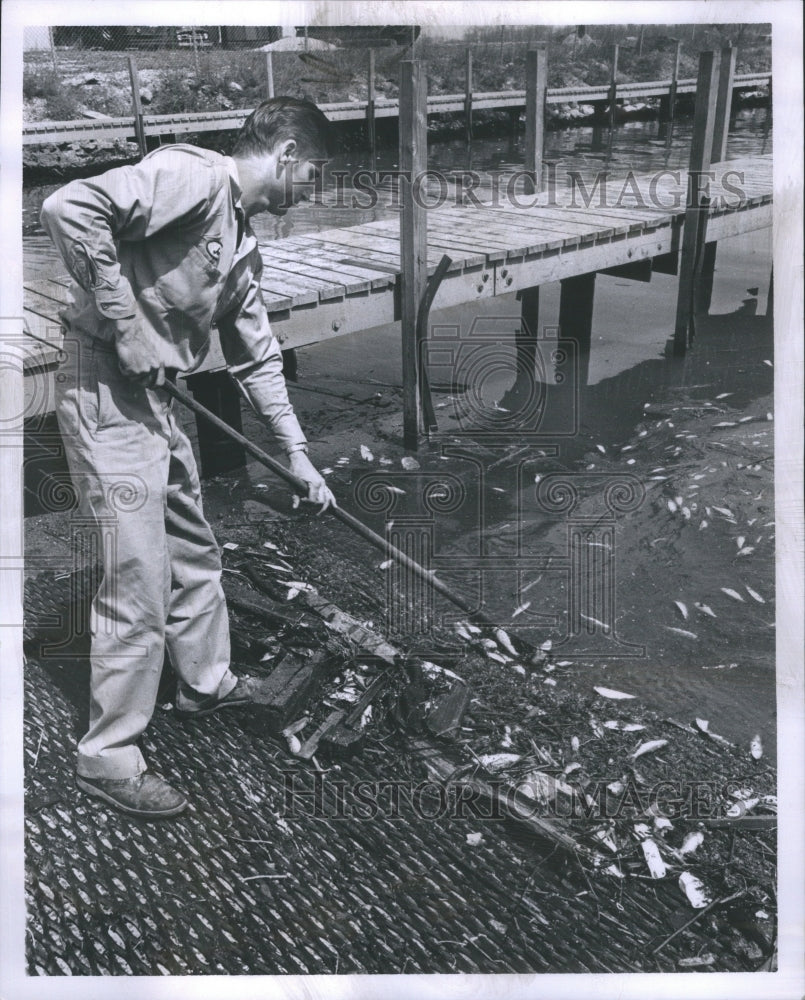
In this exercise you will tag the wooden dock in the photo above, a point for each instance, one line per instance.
(37, 133)
(327, 284)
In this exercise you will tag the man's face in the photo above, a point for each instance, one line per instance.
(282, 179)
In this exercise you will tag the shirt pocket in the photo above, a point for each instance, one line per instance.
(191, 287)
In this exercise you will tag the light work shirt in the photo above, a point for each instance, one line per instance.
(166, 240)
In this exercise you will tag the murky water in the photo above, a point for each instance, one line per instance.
(727, 672)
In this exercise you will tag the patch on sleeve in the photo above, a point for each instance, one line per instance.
(214, 248)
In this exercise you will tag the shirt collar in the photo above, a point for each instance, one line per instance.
(234, 178)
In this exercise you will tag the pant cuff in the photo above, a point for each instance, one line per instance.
(124, 762)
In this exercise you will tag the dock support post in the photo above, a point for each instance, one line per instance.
(468, 95)
(413, 157)
(536, 69)
(525, 337)
(370, 106)
(576, 301)
(726, 75)
(700, 154)
(668, 104)
(269, 74)
(139, 128)
(216, 450)
(613, 86)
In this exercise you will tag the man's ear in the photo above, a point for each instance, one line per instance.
(287, 151)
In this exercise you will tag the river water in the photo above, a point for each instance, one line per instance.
(726, 673)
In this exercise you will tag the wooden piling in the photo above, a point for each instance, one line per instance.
(413, 157)
(613, 85)
(525, 337)
(370, 106)
(139, 127)
(270, 74)
(668, 104)
(576, 302)
(536, 86)
(700, 155)
(468, 95)
(726, 75)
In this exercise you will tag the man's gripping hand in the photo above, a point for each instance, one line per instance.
(318, 490)
(135, 357)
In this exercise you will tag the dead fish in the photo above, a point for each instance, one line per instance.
(694, 889)
(575, 766)
(386, 564)
(497, 657)
(366, 454)
(681, 631)
(462, 631)
(739, 809)
(632, 727)
(291, 594)
(672, 506)
(574, 744)
(725, 423)
(612, 693)
(682, 609)
(733, 594)
(395, 489)
(474, 839)
(648, 747)
(595, 621)
(692, 842)
(705, 609)
(519, 610)
(756, 747)
(754, 595)
(408, 463)
(601, 448)
(747, 550)
(656, 865)
(696, 961)
(702, 525)
(725, 511)
(739, 541)
(724, 395)
(504, 641)
(296, 727)
(294, 744)
(499, 761)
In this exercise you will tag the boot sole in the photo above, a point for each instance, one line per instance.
(98, 793)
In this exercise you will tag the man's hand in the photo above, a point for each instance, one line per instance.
(318, 490)
(134, 356)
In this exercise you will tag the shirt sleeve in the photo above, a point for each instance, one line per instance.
(87, 218)
(254, 358)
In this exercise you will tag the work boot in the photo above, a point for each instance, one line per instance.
(239, 695)
(144, 795)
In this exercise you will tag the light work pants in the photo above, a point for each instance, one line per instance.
(139, 494)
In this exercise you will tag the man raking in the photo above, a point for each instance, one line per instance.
(161, 252)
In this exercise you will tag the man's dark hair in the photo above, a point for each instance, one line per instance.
(282, 118)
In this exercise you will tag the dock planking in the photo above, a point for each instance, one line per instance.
(343, 280)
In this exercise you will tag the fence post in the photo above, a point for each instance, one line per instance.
(613, 86)
(413, 157)
(726, 77)
(270, 73)
(669, 102)
(536, 68)
(700, 154)
(53, 50)
(139, 128)
(468, 95)
(370, 104)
